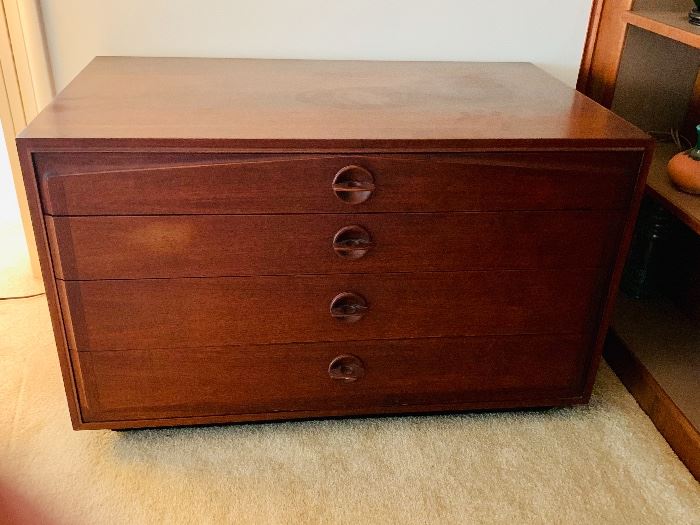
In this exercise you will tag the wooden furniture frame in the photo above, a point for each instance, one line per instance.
(607, 30)
(268, 166)
(618, 30)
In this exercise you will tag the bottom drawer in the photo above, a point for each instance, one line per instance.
(374, 376)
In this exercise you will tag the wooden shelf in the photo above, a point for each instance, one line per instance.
(683, 205)
(644, 65)
(667, 343)
(671, 24)
(653, 348)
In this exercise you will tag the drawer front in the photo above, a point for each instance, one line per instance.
(342, 184)
(164, 313)
(133, 247)
(167, 383)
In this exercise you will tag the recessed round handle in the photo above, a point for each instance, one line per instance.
(346, 368)
(348, 307)
(353, 184)
(352, 242)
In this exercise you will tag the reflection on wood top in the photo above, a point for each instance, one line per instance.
(306, 103)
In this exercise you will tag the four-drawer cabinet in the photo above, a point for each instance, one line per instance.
(304, 262)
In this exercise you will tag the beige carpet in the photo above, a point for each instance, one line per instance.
(604, 463)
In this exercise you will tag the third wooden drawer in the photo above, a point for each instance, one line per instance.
(165, 313)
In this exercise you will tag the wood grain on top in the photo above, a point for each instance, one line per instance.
(300, 103)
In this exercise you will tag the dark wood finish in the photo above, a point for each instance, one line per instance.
(261, 104)
(159, 313)
(613, 284)
(351, 242)
(550, 181)
(353, 184)
(224, 245)
(539, 400)
(680, 433)
(66, 356)
(348, 307)
(263, 379)
(485, 182)
(346, 368)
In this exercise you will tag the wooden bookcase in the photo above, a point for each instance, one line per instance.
(642, 60)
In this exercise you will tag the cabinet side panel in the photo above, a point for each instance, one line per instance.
(30, 183)
(616, 273)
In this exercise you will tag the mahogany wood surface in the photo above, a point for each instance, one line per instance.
(533, 400)
(312, 103)
(186, 240)
(129, 247)
(159, 313)
(176, 382)
(273, 184)
(66, 356)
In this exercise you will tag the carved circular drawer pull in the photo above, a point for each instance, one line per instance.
(348, 307)
(346, 368)
(353, 184)
(352, 242)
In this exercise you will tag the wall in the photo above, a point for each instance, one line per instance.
(549, 33)
(9, 210)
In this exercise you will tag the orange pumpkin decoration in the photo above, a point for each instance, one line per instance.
(684, 169)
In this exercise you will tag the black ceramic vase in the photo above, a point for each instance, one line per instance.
(694, 15)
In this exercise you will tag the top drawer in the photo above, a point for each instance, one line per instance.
(142, 183)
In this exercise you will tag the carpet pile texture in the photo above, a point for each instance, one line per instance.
(16, 279)
(600, 464)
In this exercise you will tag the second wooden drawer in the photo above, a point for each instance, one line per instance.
(133, 247)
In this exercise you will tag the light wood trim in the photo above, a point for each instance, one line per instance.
(601, 58)
(26, 87)
(584, 71)
(11, 80)
(19, 56)
(671, 24)
(34, 68)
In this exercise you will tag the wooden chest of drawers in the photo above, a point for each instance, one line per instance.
(239, 240)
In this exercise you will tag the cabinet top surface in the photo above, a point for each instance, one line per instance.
(308, 103)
